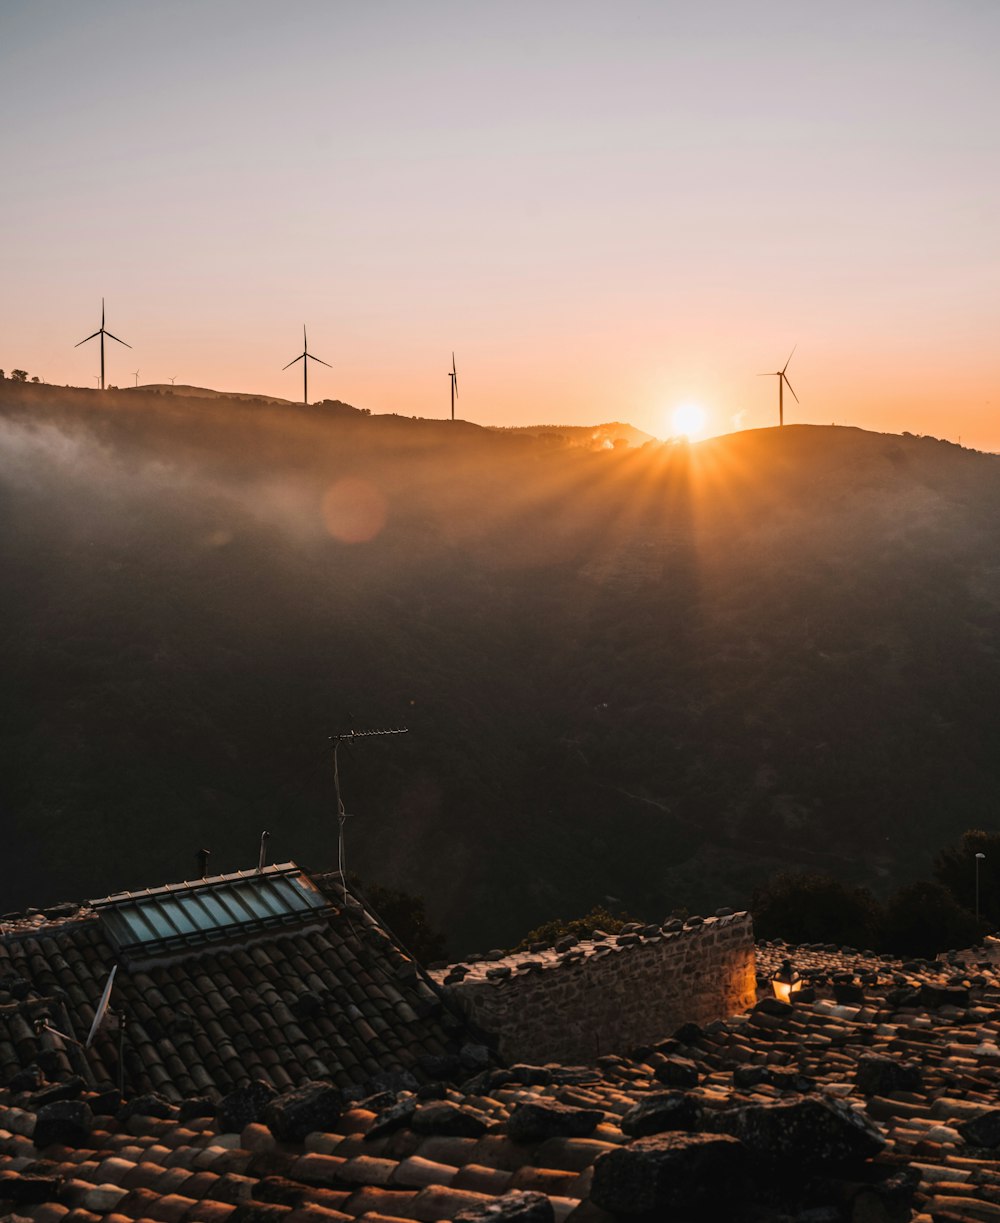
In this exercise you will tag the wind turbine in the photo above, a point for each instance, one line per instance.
(305, 356)
(173, 380)
(136, 372)
(782, 383)
(102, 333)
(453, 375)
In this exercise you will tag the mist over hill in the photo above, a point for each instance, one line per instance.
(654, 673)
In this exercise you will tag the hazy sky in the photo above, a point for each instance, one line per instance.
(606, 209)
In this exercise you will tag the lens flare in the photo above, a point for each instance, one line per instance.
(354, 511)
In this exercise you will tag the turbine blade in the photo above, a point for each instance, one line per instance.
(90, 337)
(455, 376)
(790, 355)
(298, 358)
(319, 359)
(102, 313)
(789, 385)
(114, 337)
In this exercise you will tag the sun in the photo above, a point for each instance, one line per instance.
(689, 420)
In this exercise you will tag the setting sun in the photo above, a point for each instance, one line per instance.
(689, 420)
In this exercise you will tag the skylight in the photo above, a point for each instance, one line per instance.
(182, 914)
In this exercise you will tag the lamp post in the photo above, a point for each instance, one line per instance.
(979, 858)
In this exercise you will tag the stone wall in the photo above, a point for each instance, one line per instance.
(609, 995)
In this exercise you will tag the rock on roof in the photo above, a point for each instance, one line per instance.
(319, 991)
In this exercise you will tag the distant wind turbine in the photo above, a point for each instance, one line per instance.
(453, 375)
(136, 372)
(173, 380)
(782, 383)
(305, 356)
(102, 333)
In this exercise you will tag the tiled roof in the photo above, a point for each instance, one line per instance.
(915, 1052)
(328, 996)
(445, 1151)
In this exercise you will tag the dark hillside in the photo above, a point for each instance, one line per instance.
(653, 673)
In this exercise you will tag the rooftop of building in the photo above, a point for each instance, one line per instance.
(269, 974)
(910, 1050)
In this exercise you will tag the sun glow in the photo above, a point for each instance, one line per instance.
(689, 420)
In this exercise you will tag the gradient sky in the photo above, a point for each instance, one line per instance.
(606, 209)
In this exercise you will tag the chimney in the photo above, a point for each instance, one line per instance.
(202, 856)
(264, 838)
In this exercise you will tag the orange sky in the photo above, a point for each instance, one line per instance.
(606, 210)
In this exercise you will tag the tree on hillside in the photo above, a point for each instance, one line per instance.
(924, 919)
(19, 375)
(406, 916)
(599, 918)
(955, 869)
(801, 907)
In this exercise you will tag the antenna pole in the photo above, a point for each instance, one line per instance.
(342, 815)
(121, 1053)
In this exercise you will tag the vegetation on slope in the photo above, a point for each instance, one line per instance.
(658, 673)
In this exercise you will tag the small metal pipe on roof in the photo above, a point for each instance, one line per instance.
(262, 859)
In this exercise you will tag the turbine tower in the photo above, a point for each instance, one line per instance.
(102, 333)
(136, 373)
(305, 356)
(453, 375)
(782, 383)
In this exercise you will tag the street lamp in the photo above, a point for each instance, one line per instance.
(979, 858)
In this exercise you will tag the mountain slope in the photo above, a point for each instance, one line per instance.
(654, 674)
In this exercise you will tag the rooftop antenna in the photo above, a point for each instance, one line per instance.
(102, 332)
(102, 1007)
(348, 737)
(262, 857)
(305, 356)
(100, 1015)
(453, 375)
(782, 383)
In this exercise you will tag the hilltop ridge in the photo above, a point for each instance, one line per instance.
(655, 673)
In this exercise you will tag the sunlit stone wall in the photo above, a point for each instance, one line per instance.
(608, 996)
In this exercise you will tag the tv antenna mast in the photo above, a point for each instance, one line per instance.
(348, 737)
(100, 1018)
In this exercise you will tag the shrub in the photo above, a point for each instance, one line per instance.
(599, 918)
(815, 908)
(924, 919)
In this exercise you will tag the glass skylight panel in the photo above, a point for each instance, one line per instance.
(208, 909)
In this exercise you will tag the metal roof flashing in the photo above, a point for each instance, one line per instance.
(181, 917)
